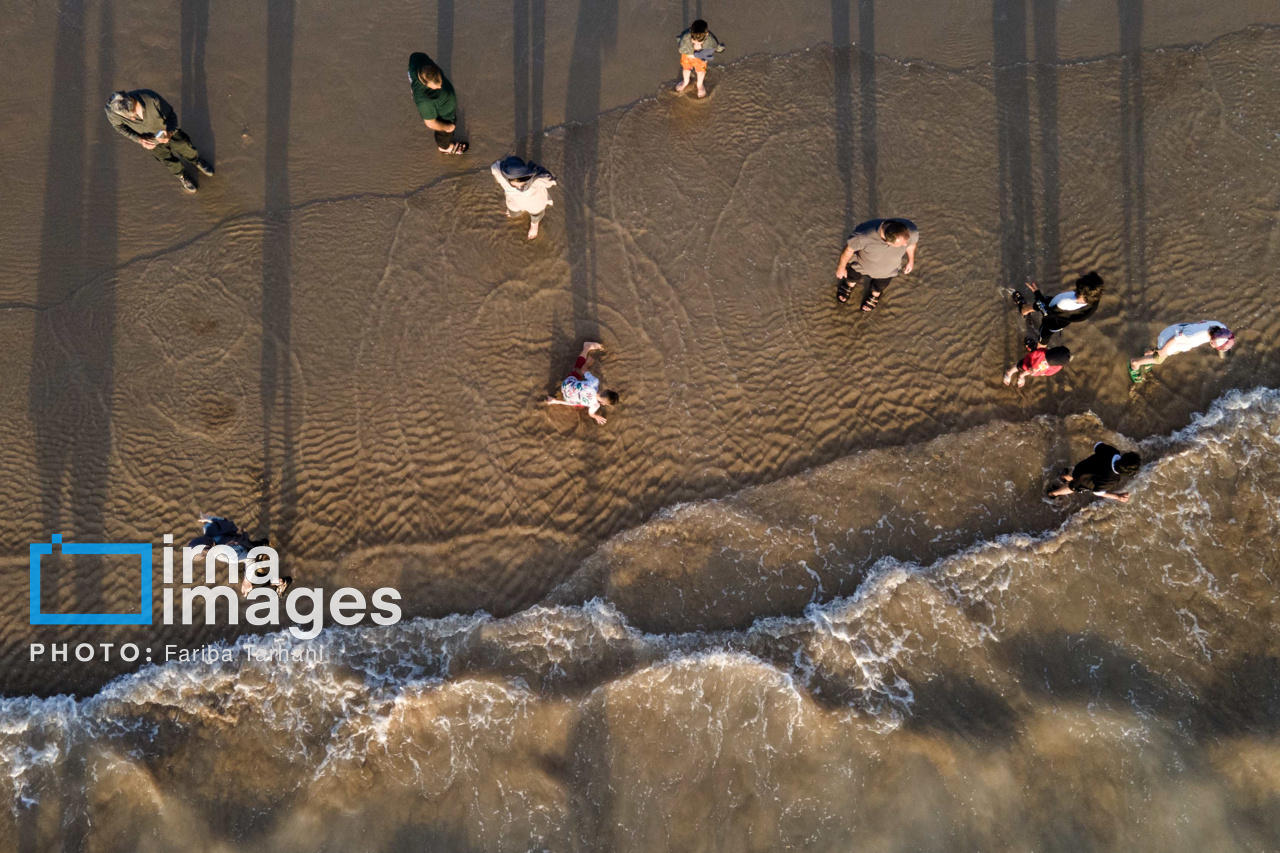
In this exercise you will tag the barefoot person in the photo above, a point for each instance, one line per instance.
(875, 250)
(147, 119)
(697, 45)
(1100, 473)
(436, 100)
(526, 187)
(582, 390)
(1070, 306)
(1180, 338)
(1041, 361)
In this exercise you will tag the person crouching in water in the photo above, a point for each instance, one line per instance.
(1100, 473)
(219, 530)
(1041, 361)
(582, 390)
(1180, 338)
(526, 187)
(697, 45)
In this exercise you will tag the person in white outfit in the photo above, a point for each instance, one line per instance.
(526, 187)
(1180, 338)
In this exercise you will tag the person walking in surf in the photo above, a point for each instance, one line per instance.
(697, 45)
(436, 101)
(875, 251)
(219, 530)
(582, 390)
(144, 117)
(1070, 306)
(1180, 338)
(1100, 473)
(526, 187)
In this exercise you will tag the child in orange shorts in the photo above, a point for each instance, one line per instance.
(697, 45)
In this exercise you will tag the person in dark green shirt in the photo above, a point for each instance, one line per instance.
(437, 102)
(147, 119)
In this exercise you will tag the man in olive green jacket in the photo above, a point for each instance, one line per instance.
(147, 119)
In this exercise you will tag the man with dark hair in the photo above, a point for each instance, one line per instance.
(875, 251)
(147, 119)
(582, 390)
(437, 102)
(1100, 473)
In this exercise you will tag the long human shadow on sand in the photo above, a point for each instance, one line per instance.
(1013, 142)
(528, 57)
(843, 53)
(279, 486)
(194, 113)
(1133, 190)
(597, 30)
(72, 373)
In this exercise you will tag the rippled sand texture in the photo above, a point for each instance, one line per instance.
(394, 351)
(1110, 685)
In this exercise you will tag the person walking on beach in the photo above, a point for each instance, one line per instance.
(1070, 306)
(1041, 361)
(1100, 473)
(147, 119)
(582, 390)
(697, 45)
(526, 187)
(875, 250)
(1180, 338)
(437, 102)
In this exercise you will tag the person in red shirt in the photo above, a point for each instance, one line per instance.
(1041, 361)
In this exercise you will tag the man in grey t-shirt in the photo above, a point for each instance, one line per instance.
(875, 251)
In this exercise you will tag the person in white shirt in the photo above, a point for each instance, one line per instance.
(582, 390)
(1070, 306)
(525, 186)
(1180, 338)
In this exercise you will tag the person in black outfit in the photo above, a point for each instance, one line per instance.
(1070, 306)
(1100, 473)
(223, 531)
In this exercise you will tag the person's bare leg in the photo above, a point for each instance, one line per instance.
(534, 220)
(1060, 492)
(685, 84)
(1149, 358)
(702, 90)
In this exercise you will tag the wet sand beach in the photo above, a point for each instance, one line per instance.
(802, 587)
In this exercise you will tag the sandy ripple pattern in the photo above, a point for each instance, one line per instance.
(1108, 684)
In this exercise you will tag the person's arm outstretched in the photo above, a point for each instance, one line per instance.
(911, 259)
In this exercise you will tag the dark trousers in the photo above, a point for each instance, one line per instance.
(874, 285)
(444, 138)
(178, 146)
(1051, 324)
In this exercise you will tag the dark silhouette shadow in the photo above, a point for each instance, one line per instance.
(194, 112)
(277, 292)
(963, 708)
(842, 69)
(1045, 29)
(867, 91)
(588, 777)
(685, 14)
(1133, 154)
(1013, 141)
(429, 838)
(444, 36)
(529, 18)
(597, 30)
(72, 376)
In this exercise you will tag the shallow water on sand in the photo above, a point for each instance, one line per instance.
(1112, 683)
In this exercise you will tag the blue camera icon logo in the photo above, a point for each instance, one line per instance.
(142, 550)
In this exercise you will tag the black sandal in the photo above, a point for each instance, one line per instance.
(1018, 301)
(870, 303)
(843, 290)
